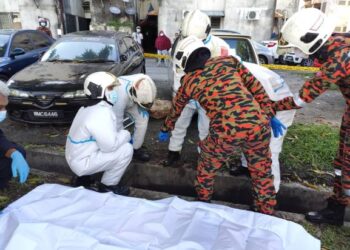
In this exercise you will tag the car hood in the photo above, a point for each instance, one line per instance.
(51, 76)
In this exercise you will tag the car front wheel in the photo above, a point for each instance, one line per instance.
(307, 62)
(3, 78)
(262, 60)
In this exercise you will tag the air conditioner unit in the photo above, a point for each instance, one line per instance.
(253, 15)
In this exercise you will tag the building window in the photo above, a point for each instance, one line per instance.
(215, 22)
(86, 6)
(340, 29)
(10, 21)
(344, 2)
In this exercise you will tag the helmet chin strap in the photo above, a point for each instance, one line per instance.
(106, 100)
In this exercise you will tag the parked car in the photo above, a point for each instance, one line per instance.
(272, 45)
(51, 91)
(20, 48)
(264, 54)
(291, 58)
(240, 45)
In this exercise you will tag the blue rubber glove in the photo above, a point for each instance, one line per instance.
(19, 165)
(163, 136)
(143, 112)
(277, 127)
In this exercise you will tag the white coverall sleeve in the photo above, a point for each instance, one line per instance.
(104, 131)
(141, 118)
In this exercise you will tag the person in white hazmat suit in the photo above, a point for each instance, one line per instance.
(135, 97)
(94, 144)
(197, 23)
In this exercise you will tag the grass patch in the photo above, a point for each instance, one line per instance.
(308, 152)
(331, 237)
(16, 190)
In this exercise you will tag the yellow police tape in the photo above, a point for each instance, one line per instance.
(269, 66)
(290, 68)
(149, 55)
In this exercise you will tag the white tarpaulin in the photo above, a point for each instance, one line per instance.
(58, 217)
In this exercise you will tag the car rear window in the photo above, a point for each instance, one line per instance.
(4, 39)
(40, 40)
(81, 50)
(242, 48)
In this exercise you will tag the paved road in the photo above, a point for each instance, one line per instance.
(326, 109)
(161, 76)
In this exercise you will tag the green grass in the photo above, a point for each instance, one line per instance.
(332, 237)
(309, 145)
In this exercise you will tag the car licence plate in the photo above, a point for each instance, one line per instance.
(46, 114)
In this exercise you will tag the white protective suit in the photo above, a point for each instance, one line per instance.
(126, 106)
(95, 145)
(275, 87)
(217, 47)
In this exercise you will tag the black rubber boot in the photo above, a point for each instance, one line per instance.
(173, 159)
(333, 214)
(141, 154)
(237, 170)
(117, 189)
(86, 181)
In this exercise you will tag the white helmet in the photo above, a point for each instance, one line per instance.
(308, 30)
(196, 23)
(95, 84)
(184, 49)
(143, 91)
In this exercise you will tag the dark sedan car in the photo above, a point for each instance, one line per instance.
(51, 91)
(20, 48)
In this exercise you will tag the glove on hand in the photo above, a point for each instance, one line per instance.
(163, 136)
(277, 127)
(19, 165)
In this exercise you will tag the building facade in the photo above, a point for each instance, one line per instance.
(64, 16)
(337, 9)
(249, 17)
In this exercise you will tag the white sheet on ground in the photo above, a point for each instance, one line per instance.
(59, 217)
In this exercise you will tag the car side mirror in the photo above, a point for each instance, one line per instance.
(123, 58)
(17, 52)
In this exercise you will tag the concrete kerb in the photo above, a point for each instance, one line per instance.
(292, 197)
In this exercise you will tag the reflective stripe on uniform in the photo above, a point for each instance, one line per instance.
(337, 172)
(91, 139)
(298, 101)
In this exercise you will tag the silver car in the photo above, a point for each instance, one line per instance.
(264, 54)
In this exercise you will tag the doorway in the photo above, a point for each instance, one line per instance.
(149, 29)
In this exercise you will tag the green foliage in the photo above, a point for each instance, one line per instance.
(117, 23)
(309, 145)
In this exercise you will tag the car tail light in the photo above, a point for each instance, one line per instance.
(271, 44)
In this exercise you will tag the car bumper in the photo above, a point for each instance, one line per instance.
(58, 112)
(292, 59)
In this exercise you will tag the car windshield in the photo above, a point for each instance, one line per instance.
(81, 50)
(3, 44)
(241, 48)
